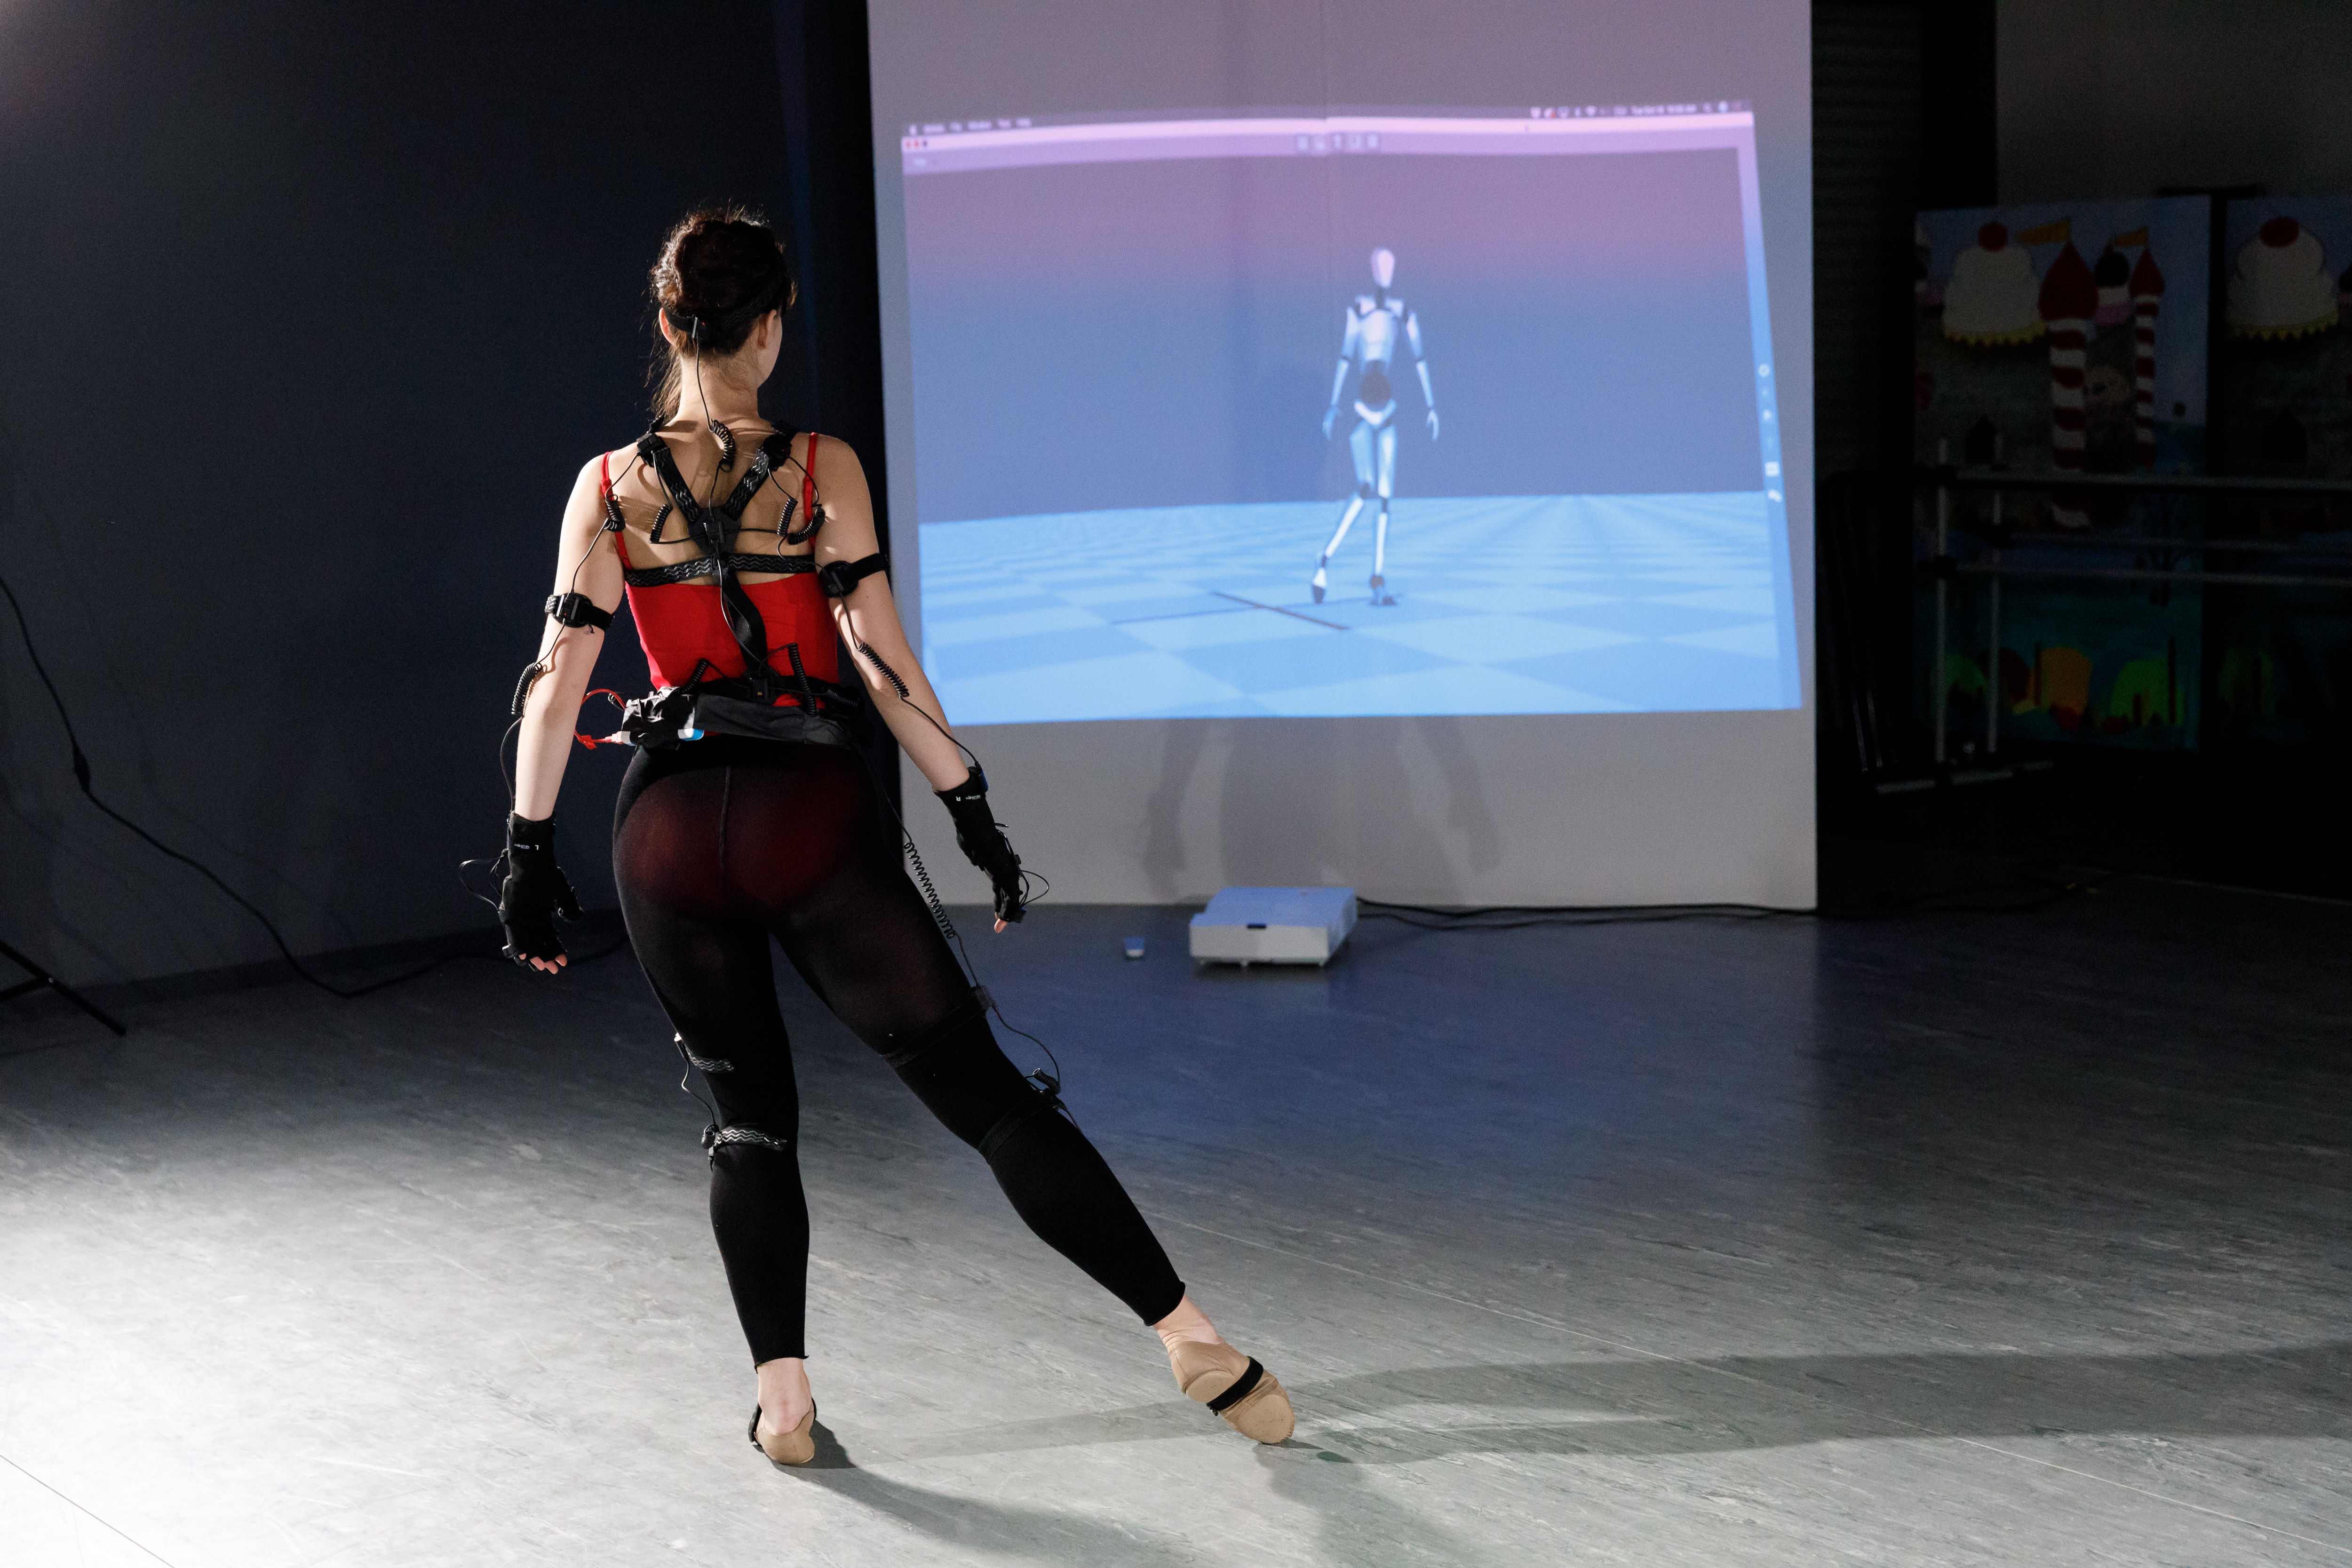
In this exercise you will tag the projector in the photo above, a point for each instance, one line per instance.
(1273, 925)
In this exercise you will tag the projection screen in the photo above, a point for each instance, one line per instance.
(1361, 443)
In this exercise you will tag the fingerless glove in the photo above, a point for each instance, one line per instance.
(983, 843)
(534, 892)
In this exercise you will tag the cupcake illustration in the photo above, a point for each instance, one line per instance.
(1993, 296)
(2281, 287)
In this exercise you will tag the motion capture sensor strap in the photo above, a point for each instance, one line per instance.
(838, 578)
(578, 610)
(715, 1138)
(704, 565)
(706, 1065)
(1041, 1103)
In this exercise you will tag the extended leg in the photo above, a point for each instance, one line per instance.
(869, 947)
(1058, 1183)
(1359, 448)
(1387, 487)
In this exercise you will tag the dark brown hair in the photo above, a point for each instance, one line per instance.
(716, 260)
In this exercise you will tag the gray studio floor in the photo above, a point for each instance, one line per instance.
(1962, 1239)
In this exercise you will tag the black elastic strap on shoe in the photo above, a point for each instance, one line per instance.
(972, 1009)
(577, 610)
(1240, 1390)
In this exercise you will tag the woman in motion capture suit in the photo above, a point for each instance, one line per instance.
(746, 817)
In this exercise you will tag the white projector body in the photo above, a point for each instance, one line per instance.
(1273, 925)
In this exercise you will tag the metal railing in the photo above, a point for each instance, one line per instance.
(1945, 479)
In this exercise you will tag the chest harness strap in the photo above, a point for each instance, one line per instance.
(713, 531)
(745, 705)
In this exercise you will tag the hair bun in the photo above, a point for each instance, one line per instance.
(716, 261)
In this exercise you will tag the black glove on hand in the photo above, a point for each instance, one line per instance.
(983, 843)
(534, 892)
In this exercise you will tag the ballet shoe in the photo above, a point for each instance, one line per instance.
(797, 1447)
(1318, 584)
(1235, 1386)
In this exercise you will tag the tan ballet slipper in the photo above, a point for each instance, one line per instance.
(797, 1447)
(1235, 1386)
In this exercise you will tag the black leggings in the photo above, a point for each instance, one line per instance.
(722, 843)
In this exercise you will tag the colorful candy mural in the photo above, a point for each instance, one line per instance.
(2066, 339)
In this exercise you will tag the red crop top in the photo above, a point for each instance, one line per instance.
(681, 625)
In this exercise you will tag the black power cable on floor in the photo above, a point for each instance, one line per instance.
(1517, 917)
(81, 777)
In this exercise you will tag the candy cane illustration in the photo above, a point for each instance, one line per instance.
(2070, 298)
(2146, 297)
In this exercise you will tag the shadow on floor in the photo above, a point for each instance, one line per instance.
(1039, 1534)
(1666, 1406)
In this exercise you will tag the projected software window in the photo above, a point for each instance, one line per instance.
(1348, 414)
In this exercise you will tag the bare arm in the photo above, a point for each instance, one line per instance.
(868, 619)
(567, 654)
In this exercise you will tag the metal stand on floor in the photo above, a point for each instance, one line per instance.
(42, 980)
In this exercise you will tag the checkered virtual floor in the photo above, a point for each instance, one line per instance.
(1503, 604)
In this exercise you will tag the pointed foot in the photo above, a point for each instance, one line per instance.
(1251, 1399)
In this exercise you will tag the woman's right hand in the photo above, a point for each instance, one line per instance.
(981, 839)
(534, 892)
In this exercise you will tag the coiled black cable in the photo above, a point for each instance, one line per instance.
(81, 772)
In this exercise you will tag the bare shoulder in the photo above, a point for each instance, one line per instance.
(592, 472)
(837, 468)
(833, 452)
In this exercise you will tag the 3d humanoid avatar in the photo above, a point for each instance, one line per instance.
(1374, 323)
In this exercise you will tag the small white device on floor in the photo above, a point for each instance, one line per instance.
(1273, 925)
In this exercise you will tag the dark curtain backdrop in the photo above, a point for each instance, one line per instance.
(314, 312)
